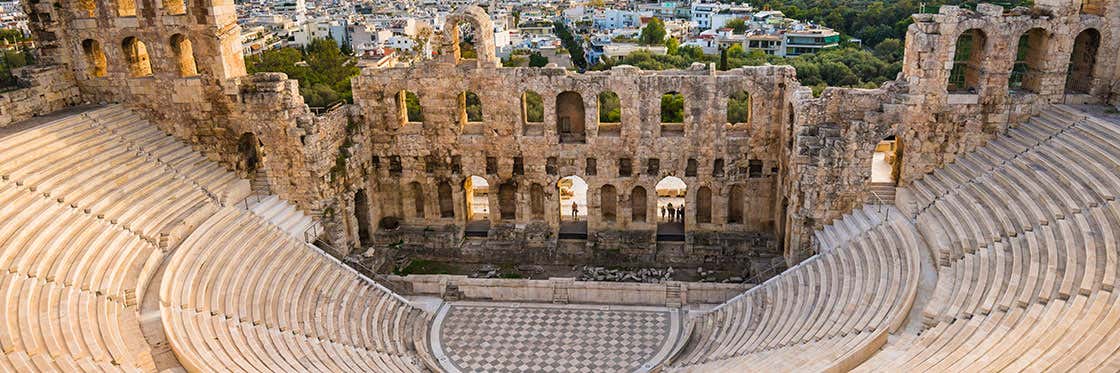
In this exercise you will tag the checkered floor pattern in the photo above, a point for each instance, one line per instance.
(526, 339)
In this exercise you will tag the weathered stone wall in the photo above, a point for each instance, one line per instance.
(43, 89)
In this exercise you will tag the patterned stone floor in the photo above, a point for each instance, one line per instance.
(499, 337)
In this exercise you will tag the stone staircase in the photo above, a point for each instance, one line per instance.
(284, 215)
(881, 193)
(849, 226)
(260, 184)
(673, 295)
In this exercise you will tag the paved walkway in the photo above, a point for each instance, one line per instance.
(518, 337)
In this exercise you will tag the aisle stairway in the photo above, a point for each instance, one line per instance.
(284, 215)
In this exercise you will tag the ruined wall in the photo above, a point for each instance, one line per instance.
(43, 89)
(426, 151)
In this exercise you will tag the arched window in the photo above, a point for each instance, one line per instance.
(417, 198)
(249, 147)
(87, 8)
(739, 108)
(638, 205)
(446, 201)
(735, 205)
(967, 59)
(126, 8)
(361, 214)
(536, 201)
(1083, 61)
(672, 108)
(464, 36)
(409, 109)
(184, 54)
(610, 108)
(532, 107)
(470, 108)
(137, 56)
(174, 7)
(570, 117)
(507, 200)
(96, 65)
(608, 203)
(703, 205)
(1026, 73)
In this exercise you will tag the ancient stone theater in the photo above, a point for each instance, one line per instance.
(163, 210)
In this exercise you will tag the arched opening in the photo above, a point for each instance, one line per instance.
(735, 204)
(249, 148)
(884, 162)
(87, 8)
(532, 107)
(965, 75)
(671, 193)
(1026, 73)
(672, 108)
(608, 203)
(174, 7)
(477, 198)
(464, 36)
(610, 114)
(536, 201)
(417, 192)
(573, 207)
(703, 205)
(126, 8)
(739, 108)
(361, 214)
(137, 56)
(408, 106)
(184, 54)
(1083, 61)
(638, 205)
(507, 200)
(446, 201)
(96, 65)
(1094, 7)
(470, 108)
(570, 117)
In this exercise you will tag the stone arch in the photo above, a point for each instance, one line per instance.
(470, 108)
(703, 205)
(735, 202)
(417, 192)
(570, 117)
(174, 7)
(1030, 59)
(139, 64)
(968, 56)
(87, 9)
(608, 203)
(638, 207)
(739, 108)
(96, 65)
(446, 200)
(610, 108)
(507, 200)
(532, 107)
(361, 214)
(572, 190)
(408, 107)
(249, 149)
(672, 107)
(536, 201)
(483, 28)
(672, 194)
(126, 8)
(184, 55)
(1083, 61)
(477, 199)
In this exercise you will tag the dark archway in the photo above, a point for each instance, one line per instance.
(361, 214)
(507, 201)
(638, 205)
(417, 192)
(1030, 58)
(250, 150)
(608, 203)
(570, 117)
(967, 60)
(703, 205)
(96, 64)
(735, 202)
(446, 201)
(1082, 61)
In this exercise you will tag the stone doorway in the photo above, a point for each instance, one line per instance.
(671, 196)
(573, 207)
(477, 191)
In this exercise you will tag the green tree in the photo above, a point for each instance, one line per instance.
(654, 32)
(736, 25)
(514, 61)
(610, 108)
(672, 45)
(889, 50)
(723, 64)
(322, 70)
(536, 59)
(569, 41)
(672, 108)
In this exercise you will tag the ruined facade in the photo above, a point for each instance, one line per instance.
(375, 175)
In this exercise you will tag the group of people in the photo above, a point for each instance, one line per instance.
(672, 214)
